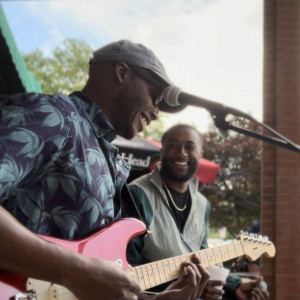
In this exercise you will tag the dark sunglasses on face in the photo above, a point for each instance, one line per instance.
(147, 76)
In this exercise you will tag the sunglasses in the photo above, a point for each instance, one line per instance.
(149, 77)
(158, 99)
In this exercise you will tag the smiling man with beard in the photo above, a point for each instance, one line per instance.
(176, 213)
(169, 202)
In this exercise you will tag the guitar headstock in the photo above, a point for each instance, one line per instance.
(254, 246)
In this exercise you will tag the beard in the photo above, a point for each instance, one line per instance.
(166, 170)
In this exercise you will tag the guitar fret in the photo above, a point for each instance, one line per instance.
(233, 246)
(240, 249)
(221, 259)
(153, 273)
(141, 276)
(180, 259)
(167, 265)
(209, 257)
(147, 280)
(217, 255)
(150, 274)
(156, 273)
(173, 269)
(176, 266)
(224, 253)
(231, 249)
(165, 272)
(214, 254)
(203, 259)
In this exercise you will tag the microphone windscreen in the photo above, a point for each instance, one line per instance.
(170, 103)
(171, 94)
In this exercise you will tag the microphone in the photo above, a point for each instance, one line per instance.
(173, 96)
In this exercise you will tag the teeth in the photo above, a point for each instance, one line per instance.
(180, 163)
(144, 121)
(147, 118)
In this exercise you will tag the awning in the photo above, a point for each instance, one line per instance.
(14, 76)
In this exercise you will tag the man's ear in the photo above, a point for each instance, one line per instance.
(121, 69)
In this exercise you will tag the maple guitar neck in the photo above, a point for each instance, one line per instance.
(159, 272)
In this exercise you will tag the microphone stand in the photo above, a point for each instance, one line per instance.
(221, 123)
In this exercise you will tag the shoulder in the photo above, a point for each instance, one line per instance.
(140, 186)
(142, 202)
(142, 181)
(36, 112)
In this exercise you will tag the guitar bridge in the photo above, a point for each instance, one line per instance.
(29, 295)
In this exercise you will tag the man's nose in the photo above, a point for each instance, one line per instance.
(182, 150)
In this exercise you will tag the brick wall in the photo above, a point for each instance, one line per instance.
(280, 207)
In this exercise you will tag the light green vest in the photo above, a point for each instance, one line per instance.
(163, 239)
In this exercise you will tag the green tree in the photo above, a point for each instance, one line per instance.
(235, 194)
(156, 129)
(65, 71)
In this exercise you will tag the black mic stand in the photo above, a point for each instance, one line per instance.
(221, 123)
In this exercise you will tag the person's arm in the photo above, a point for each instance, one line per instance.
(27, 254)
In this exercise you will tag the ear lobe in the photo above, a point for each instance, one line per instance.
(121, 70)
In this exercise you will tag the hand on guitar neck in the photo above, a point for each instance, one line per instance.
(65, 274)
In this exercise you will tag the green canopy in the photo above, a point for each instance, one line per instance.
(14, 76)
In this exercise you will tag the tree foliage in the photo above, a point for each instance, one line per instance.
(155, 130)
(235, 194)
(65, 71)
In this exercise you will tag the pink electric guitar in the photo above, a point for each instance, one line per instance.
(110, 244)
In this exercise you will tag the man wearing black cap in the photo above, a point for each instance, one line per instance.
(60, 176)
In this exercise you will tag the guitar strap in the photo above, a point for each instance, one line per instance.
(128, 205)
(124, 200)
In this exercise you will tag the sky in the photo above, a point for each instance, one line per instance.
(210, 48)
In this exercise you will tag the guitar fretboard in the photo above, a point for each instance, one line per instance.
(156, 273)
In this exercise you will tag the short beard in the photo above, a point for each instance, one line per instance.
(167, 172)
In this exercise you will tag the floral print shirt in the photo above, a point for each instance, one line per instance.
(59, 173)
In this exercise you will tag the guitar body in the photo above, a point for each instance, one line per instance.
(109, 244)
